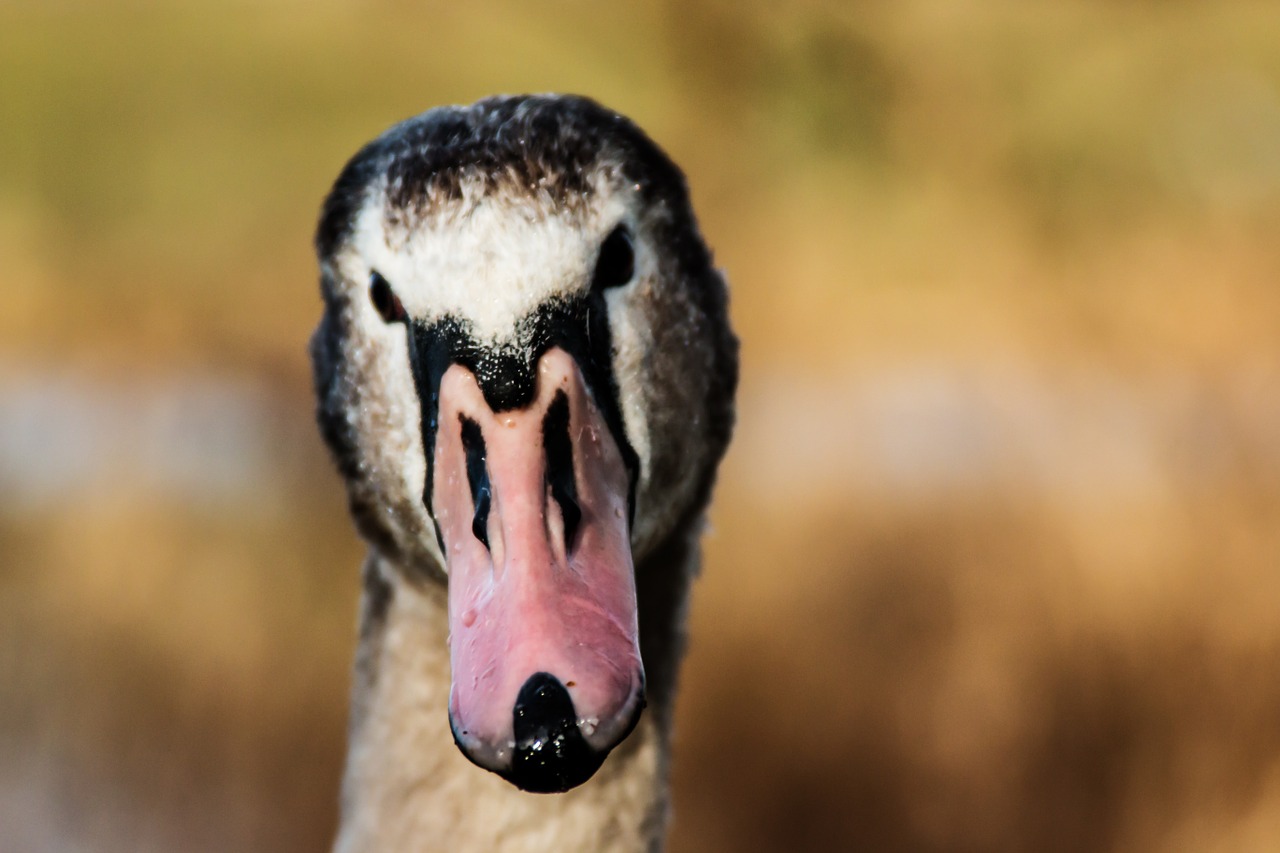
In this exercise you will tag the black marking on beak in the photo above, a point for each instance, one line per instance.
(478, 478)
(560, 479)
(507, 372)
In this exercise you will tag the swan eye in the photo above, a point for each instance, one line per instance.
(617, 262)
(385, 300)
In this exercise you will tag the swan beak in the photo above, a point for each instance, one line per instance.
(532, 507)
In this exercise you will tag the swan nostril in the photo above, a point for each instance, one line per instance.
(478, 478)
(480, 523)
(560, 476)
(551, 755)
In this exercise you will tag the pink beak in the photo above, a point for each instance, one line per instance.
(533, 509)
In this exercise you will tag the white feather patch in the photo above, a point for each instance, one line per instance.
(492, 259)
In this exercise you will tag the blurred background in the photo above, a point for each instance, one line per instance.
(995, 559)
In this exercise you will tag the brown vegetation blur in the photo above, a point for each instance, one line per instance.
(994, 563)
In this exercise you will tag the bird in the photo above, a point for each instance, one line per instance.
(525, 374)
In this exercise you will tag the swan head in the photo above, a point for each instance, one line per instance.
(525, 373)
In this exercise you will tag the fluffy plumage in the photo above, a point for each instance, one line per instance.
(487, 222)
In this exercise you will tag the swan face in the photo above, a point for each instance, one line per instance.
(525, 373)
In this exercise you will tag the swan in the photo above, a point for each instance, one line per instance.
(525, 374)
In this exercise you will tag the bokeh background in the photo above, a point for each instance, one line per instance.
(994, 562)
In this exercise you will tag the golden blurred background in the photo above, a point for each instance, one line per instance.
(995, 558)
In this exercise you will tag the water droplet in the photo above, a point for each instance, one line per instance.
(468, 618)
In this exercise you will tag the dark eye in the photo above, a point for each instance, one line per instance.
(617, 262)
(384, 299)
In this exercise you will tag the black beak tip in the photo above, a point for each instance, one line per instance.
(551, 755)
